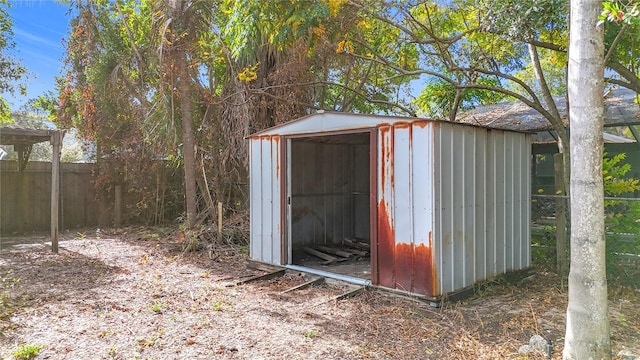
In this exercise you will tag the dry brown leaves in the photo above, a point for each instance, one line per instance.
(133, 294)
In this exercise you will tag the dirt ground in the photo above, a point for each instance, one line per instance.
(133, 294)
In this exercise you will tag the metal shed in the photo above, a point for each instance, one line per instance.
(441, 205)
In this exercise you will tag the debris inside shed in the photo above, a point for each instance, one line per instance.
(357, 243)
(351, 249)
(351, 257)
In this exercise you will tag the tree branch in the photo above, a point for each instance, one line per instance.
(615, 42)
(546, 94)
(415, 38)
(633, 80)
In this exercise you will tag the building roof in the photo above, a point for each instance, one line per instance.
(620, 110)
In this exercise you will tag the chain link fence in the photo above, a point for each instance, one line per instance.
(551, 228)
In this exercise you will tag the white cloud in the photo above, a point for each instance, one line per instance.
(25, 37)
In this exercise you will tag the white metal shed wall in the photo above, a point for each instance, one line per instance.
(405, 206)
(482, 202)
(265, 199)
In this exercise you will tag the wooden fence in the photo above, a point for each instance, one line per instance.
(25, 198)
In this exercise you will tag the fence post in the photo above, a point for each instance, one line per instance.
(219, 219)
(117, 208)
(561, 215)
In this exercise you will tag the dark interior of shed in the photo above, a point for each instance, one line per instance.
(330, 210)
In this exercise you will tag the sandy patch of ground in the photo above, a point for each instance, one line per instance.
(134, 295)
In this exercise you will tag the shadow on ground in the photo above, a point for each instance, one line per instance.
(33, 276)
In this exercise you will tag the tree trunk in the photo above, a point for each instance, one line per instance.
(556, 121)
(188, 140)
(587, 331)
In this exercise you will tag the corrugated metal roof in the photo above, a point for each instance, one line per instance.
(619, 104)
(615, 139)
(332, 121)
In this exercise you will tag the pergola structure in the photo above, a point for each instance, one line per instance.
(23, 141)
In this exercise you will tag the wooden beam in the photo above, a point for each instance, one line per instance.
(334, 251)
(56, 142)
(346, 295)
(266, 276)
(351, 293)
(261, 266)
(329, 259)
(356, 244)
(316, 281)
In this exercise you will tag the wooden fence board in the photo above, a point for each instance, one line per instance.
(25, 198)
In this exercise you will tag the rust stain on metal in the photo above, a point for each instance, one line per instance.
(422, 124)
(434, 277)
(424, 270)
(386, 240)
(386, 153)
(414, 268)
(404, 266)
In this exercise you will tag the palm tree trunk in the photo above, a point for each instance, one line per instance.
(188, 140)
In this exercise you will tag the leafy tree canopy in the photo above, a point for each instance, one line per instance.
(11, 71)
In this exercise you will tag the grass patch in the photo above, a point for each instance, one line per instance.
(26, 351)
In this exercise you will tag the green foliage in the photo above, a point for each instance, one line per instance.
(26, 351)
(437, 98)
(523, 20)
(543, 248)
(553, 66)
(620, 12)
(614, 175)
(111, 85)
(621, 215)
(621, 221)
(253, 24)
(158, 307)
(219, 306)
(621, 21)
(12, 73)
(44, 105)
(254, 64)
(623, 320)
(311, 334)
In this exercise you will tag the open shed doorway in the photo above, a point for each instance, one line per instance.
(329, 209)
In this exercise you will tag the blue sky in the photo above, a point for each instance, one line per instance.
(39, 27)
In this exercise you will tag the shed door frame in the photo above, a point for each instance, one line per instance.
(286, 244)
